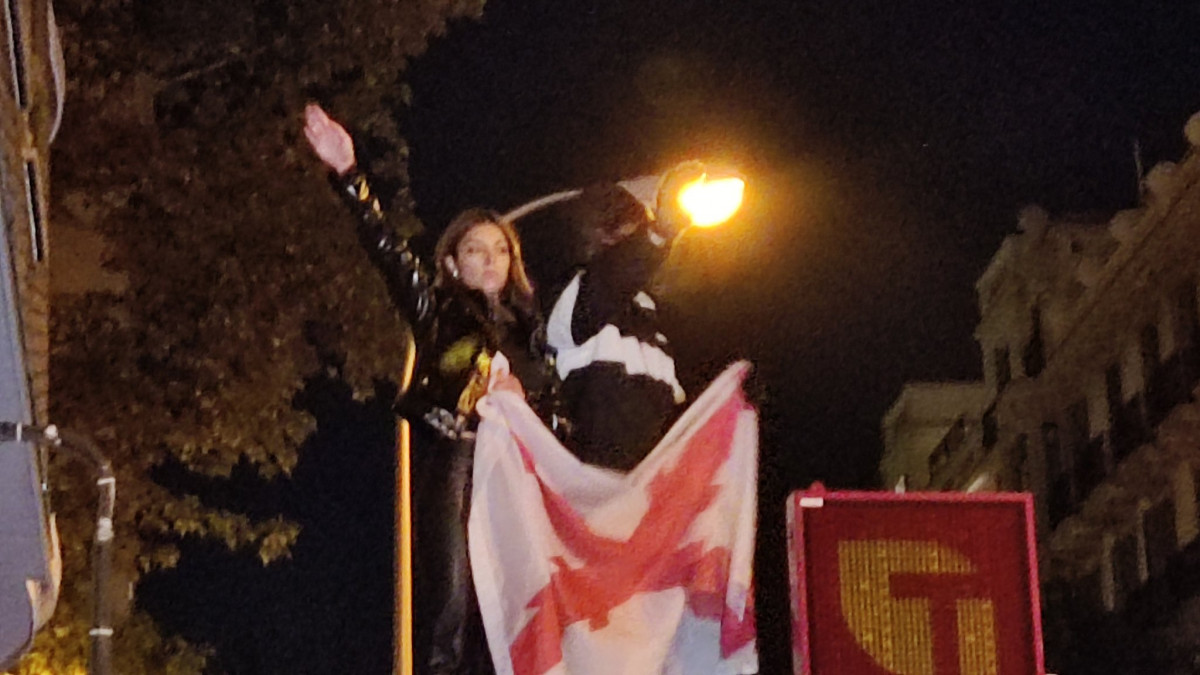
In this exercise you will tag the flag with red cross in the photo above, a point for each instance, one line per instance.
(581, 570)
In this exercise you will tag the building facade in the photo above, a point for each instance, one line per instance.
(1090, 335)
(31, 94)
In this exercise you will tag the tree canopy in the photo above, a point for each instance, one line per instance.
(239, 273)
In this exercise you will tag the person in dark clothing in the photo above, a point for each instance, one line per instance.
(479, 302)
(619, 388)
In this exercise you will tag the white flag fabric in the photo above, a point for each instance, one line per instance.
(585, 571)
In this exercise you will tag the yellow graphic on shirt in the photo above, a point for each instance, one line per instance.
(898, 632)
(477, 385)
(460, 355)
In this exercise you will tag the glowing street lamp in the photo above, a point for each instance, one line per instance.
(709, 202)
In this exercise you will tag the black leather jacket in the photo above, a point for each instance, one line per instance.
(455, 332)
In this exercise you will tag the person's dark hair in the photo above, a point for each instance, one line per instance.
(607, 206)
(518, 292)
(600, 211)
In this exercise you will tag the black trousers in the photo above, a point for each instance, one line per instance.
(448, 628)
(616, 418)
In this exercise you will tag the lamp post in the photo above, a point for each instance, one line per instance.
(709, 200)
(402, 637)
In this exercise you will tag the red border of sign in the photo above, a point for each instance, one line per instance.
(799, 575)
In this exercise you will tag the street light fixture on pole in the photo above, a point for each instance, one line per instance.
(710, 200)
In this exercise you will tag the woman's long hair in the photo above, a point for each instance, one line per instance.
(518, 292)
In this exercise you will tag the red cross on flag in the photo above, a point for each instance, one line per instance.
(585, 571)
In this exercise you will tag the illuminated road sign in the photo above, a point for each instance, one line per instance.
(915, 584)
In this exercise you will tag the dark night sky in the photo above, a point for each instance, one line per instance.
(889, 144)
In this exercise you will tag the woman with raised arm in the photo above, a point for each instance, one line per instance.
(478, 302)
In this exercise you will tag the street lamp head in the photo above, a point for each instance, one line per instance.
(699, 194)
(711, 201)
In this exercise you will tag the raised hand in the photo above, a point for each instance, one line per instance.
(328, 139)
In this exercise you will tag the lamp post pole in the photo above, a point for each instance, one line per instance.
(402, 641)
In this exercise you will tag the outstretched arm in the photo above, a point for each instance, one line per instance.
(407, 280)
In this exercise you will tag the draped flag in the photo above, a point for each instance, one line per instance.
(585, 571)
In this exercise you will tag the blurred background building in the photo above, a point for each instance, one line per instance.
(31, 95)
(1090, 335)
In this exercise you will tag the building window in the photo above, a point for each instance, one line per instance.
(1003, 368)
(1161, 540)
(1112, 390)
(1059, 505)
(1151, 354)
(1126, 563)
(33, 197)
(1078, 425)
(1087, 453)
(991, 428)
(1021, 463)
(1093, 466)
(16, 52)
(1034, 358)
(1187, 330)
(1157, 395)
(1187, 318)
(1126, 426)
(1056, 464)
(1058, 475)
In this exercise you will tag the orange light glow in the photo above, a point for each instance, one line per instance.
(711, 202)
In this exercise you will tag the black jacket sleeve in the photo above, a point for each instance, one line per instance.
(408, 282)
(612, 279)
